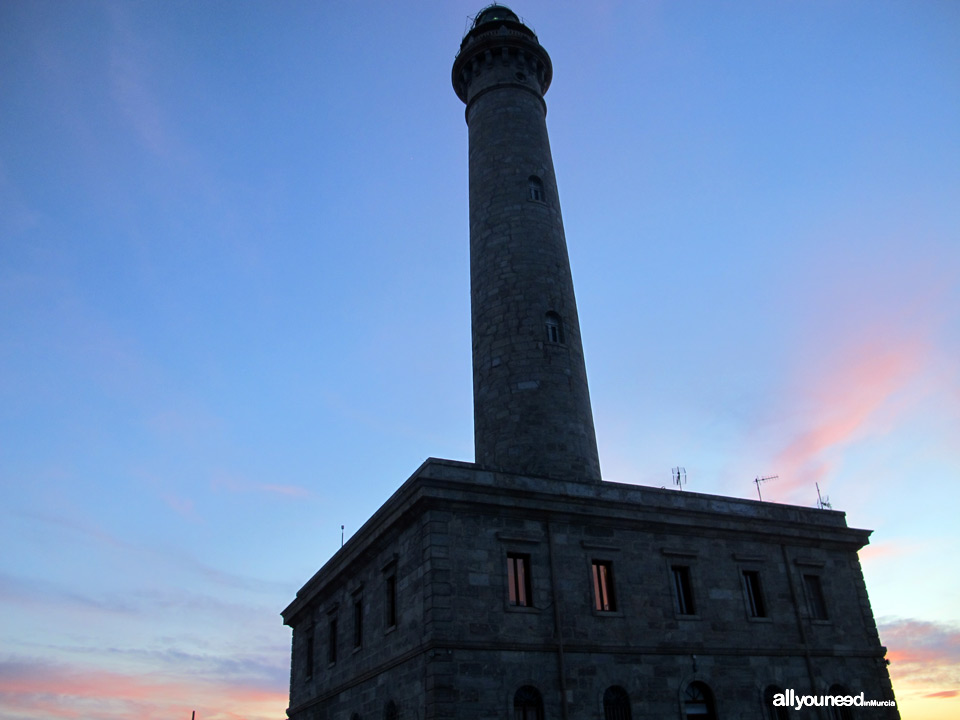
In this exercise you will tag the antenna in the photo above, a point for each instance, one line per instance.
(679, 476)
(759, 480)
(341, 536)
(823, 501)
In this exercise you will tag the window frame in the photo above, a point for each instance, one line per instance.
(816, 598)
(357, 621)
(553, 327)
(521, 584)
(531, 702)
(603, 584)
(390, 618)
(685, 603)
(754, 597)
(616, 703)
(332, 633)
(309, 653)
(535, 190)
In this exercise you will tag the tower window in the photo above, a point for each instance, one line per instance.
(518, 580)
(683, 590)
(604, 597)
(815, 601)
(753, 594)
(554, 327)
(536, 188)
(390, 712)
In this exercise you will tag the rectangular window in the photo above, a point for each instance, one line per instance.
(604, 597)
(518, 580)
(332, 646)
(683, 590)
(358, 622)
(309, 663)
(818, 607)
(751, 588)
(391, 601)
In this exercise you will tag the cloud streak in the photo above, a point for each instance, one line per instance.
(35, 689)
(859, 397)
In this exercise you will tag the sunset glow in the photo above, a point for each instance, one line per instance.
(235, 292)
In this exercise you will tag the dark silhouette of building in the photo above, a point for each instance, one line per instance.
(521, 585)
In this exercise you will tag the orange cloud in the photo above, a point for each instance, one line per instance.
(924, 657)
(41, 690)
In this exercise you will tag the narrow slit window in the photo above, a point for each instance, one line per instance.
(518, 580)
(683, 590)
(753, 593)
(332, 642)
(554, 326)
(536, 188)
(309, 663)
(604, 597)
(358, 622)
(391, 601)
(815, 600)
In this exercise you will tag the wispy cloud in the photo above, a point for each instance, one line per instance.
(79, 529)
(233, 483)
(859, 395)
(132, 92)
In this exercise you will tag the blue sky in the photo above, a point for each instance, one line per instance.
(234, 304)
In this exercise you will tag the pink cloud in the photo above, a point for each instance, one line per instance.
(884, 550)
(38, 690)
(858, 397)
(944, 694)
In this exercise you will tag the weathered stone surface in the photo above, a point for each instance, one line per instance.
(461, 650)
(531, 404)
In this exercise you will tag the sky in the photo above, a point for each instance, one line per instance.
(234, 305)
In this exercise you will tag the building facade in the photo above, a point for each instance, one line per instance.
(521, 585)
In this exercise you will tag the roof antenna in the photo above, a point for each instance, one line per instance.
(341, 536)
(759, 480)
(679, 476)
(823, 501)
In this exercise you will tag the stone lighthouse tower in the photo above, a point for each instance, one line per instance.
(532, 411)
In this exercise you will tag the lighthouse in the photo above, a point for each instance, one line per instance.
(531, 410)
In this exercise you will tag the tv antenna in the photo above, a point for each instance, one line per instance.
(679, 476)
(823, 501)
(757, 480)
